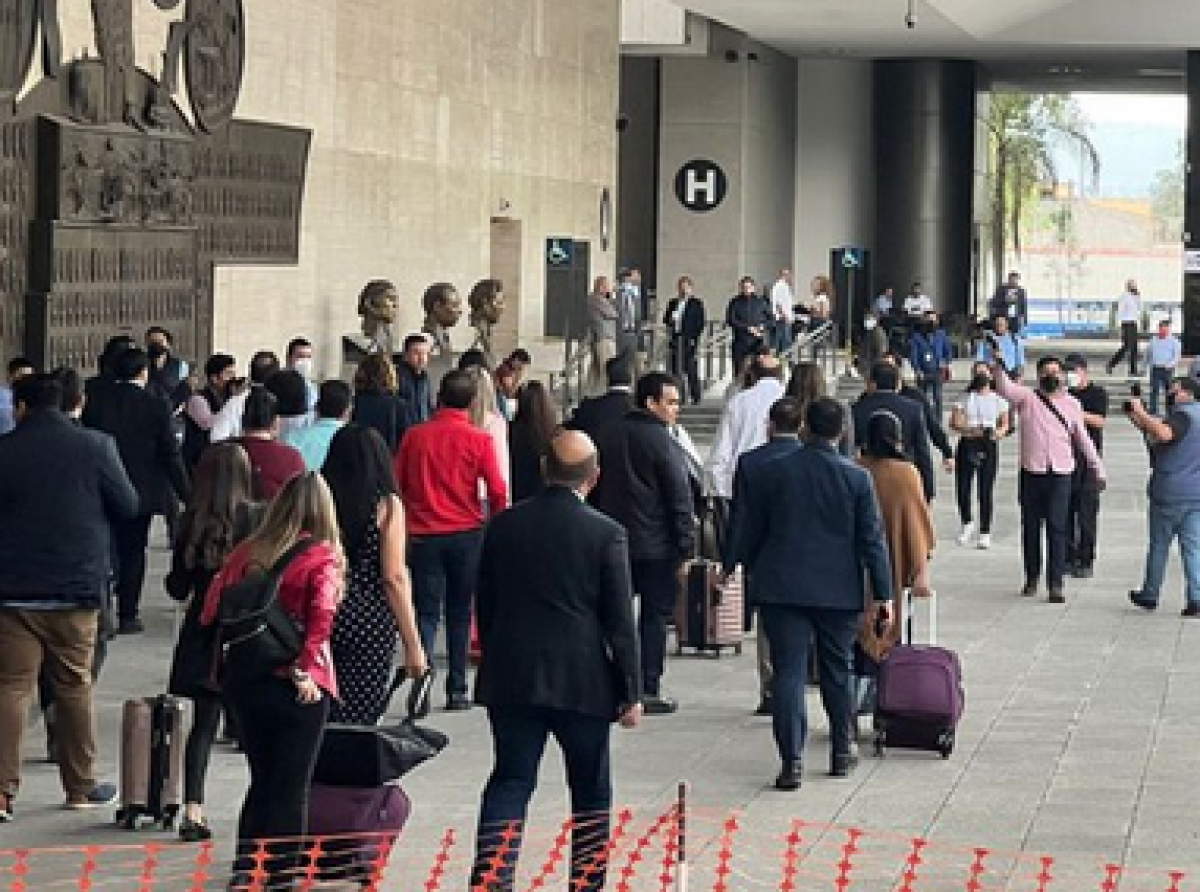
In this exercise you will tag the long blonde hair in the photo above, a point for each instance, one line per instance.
(303, 507)
(483, 405)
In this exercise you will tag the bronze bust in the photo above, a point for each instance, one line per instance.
(487, 306)
(377, 305)
(443, 309)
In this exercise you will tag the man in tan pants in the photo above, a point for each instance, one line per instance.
(59, 485)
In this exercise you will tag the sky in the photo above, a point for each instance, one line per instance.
(1111, 108)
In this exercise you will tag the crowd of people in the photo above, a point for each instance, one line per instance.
(394, 504)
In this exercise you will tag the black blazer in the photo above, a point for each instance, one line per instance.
(525, 463)
(386, 412)
(141, 425)
(60, 485)
(552, 636)
(597, 413)
(693, 318)
(912, 429)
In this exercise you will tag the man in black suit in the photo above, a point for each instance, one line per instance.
(883, 394)
(555, 614)
(596, 413)
(933, 422)
(685, 321)
(645, 488)
(59, 488)
(141, 425)
(809, 554)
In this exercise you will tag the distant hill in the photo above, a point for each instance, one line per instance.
(1130, 157)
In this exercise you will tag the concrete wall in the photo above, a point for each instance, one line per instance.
(739, 114)
(425, 117)
(835, 188)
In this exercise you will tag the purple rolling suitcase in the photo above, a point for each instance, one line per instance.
(341, 811)
(919, 695)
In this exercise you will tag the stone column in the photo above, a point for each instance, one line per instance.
(1191, 212)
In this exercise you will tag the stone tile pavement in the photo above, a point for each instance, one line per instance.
(1079, 739)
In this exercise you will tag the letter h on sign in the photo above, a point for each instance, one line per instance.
(701, 186)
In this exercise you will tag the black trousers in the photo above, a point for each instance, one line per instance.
(280, 738)
(685, 364)
(1083, 518)
(206, 719)
(519, 738)
(656, 583)
(443, 576)
(976, 460)
(1045, 500)
(1129, 347)
(130, 539)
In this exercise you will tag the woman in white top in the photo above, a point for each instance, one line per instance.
(821, 306)
(981, 418)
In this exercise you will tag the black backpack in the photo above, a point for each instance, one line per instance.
(257, 636)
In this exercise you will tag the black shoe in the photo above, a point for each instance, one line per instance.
(1057, 596)
(789, 777)
(659, 706)
(1031, 588)
(458, 703)
(194, 831)
(131, 627)
(1192, 610)
(765, 707)
(1081, 571)
(842, 764)
(1136, 599)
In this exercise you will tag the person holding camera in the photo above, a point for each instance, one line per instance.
(1052, 433)
(981, 421)
(1174, 491)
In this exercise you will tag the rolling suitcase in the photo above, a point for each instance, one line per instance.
(708, 615)
(919, 694)
(153, 733)
(376, 815)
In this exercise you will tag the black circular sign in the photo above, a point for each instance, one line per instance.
(701, 185)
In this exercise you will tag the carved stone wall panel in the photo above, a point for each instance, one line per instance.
(17, 197)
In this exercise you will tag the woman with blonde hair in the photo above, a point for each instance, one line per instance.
(821, 305)
(484, 415)
(806, 385)
(377, 403)
(281, 711)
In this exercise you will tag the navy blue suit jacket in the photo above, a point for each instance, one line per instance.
(811, 528)
(749, 465)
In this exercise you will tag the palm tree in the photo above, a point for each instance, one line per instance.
(1025, 129)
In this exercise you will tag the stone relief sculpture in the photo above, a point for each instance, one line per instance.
(377, 305)
(487, 306)
(443, 309)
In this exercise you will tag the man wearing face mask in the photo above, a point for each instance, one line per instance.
(873, 346)
(1052, 432)
(929, 354)
(1085, 500)
(300, 359)
(168, 373)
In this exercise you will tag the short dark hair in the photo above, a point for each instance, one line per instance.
(457, 389)
(17, 363)
(38, 392)
(413, 340)
(885, 376)
(114, 347)
(473, 359)
(263, 365)
(261, 410)
(1190, 384)
(1076, 361)
(522, 356)
(825, 418)
(291, 390)
(618, 372)
(333, 399)
(651, 386)
(130, 364)
(218, 363)
(1048, 360)
(574, 474)
(72, 387)
(786, 416)
(159, 330)
(295, 344)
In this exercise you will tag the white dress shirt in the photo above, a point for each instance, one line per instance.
(783, 301)
(1164, 353)
(918, 304)
(743, 427)
(1129, 308)
(227, 424)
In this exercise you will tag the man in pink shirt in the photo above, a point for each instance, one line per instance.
(1053, 438)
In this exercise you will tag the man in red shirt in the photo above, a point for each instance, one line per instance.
(438, 468)
(272, 464)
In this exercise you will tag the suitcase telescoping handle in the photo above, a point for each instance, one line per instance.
(910, 610)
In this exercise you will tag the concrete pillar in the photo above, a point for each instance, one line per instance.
(924, 124)
(1191, 212)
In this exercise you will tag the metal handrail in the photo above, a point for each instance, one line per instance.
(820, 344)
(568, 382)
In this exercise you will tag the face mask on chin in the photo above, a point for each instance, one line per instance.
(304, 367)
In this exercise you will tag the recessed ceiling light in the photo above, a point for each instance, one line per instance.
(1159, 72)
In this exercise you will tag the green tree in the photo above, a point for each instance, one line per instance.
(1025, 129)
(1167, 197)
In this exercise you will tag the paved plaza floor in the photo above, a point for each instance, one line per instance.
(1079, 742)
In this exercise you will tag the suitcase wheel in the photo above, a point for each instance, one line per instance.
(127, 818)
(737, 649)
(880, 744)
(168, 818)
(946, 744)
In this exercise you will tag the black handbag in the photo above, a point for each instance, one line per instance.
(371, 756)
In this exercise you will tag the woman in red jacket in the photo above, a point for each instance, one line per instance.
(282, 714)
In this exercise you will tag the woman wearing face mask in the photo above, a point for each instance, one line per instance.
(873, 346)
(981, 419)
(200, 411)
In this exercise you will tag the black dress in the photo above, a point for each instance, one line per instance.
(525, 460)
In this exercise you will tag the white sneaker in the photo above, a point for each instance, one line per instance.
(968, 531)
(985, 541)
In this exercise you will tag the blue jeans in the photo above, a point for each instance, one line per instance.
(519, 739)
(781, 335)
(1160, 380)
(1167, 522)
(789, 631)
(443, 577)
